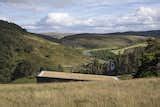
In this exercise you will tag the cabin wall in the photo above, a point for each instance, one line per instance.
(48, 80)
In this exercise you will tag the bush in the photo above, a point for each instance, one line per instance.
(24, 69)
(60, 68)
(5, 76)
(142, 74)
(148, 67)
(94, 67)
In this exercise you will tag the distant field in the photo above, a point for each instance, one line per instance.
(121, 51)
(108, 52)
(110, 93)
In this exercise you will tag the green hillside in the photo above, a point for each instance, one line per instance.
(17, 46)
(101, 41)
(24, 54)
(54, 53)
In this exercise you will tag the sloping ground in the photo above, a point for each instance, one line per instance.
(20, 44)
(54, 53)
(17, 46)
(75, 76)
(128, 93)
(95, 41)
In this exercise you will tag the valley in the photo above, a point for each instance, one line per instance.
(112, 61)
(79, 53)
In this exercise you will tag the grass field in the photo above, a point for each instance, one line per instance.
(110, 93)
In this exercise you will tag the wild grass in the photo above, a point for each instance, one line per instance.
(110, 93)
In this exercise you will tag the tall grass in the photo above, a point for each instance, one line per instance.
(110, 93)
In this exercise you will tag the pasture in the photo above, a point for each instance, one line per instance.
(110, 93)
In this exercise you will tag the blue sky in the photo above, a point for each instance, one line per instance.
(81, 16)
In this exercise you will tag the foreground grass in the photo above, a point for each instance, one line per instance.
(110, 93)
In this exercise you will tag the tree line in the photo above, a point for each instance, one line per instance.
(139, 62)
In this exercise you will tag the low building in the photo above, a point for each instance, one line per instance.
(50, 76)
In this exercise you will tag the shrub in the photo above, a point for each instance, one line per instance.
(5, 76)
(142, 74)
(94, 67)
(24, 69)
(60, 68)
(148, 67)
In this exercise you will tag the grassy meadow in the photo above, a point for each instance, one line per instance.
(110, 93)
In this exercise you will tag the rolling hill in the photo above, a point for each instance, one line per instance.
(16, 45)
(94, 41)
(57, 35)
(44, 52)
(102, 41)
(153, 33)
(97, 40)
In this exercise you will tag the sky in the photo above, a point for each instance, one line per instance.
(82, 16)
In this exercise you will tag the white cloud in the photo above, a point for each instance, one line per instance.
(143, 18)
(37, 4)
(61, 19)
(33, 27)
(64, 19)
(4, 18)
(145, 11)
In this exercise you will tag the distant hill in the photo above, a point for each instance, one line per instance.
(154, 33)
(95, 41)
(57, 35)
(47, 37)
(46, 52)
(16, 45)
